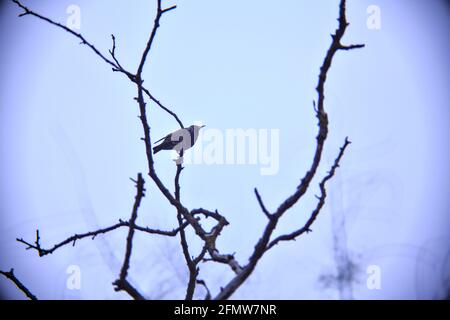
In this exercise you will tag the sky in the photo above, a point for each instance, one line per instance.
(70, 141)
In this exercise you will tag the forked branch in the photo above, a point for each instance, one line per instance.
(263, 244)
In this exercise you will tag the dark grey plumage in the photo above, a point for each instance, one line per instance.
(179, 140)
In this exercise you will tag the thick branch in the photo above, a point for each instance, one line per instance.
(126, 286)
(216, 256)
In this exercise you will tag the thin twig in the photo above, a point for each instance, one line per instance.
(11, 276)
(93, 234)
(116, 66)
(28, 11)
(321, 202)
(261, 204)
(210, 214)
(159, 13)
(173, 114)
(122, 283)
(208, 293)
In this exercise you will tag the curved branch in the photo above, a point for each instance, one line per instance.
(316, 211)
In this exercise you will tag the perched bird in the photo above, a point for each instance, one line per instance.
(179, 140)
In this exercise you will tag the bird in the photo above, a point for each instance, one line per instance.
(179, 140)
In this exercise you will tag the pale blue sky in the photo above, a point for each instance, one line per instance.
(69, 140)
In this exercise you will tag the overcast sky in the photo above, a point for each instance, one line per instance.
(70, 140)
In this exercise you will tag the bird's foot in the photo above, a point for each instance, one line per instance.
(178, 161)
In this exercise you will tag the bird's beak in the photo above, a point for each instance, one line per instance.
(203, 126)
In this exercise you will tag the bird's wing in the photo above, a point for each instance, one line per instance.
(160, 140)
(176, 133)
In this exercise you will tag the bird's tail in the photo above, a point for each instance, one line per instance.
(157, 149)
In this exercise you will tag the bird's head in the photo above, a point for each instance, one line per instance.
(194, 131)
(197, 128)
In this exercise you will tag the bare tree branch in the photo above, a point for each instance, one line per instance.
(261, 246)
(11, 276)
(116, 66)
(122, 283)
(191, 263)
(159, 13)
(93, 234)
(192, 266)
(27, 11)
(209, 214)
(261, 204)
(321, 202)
(112, 52)
(125, 285)
(321, 114)
(173, 114)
